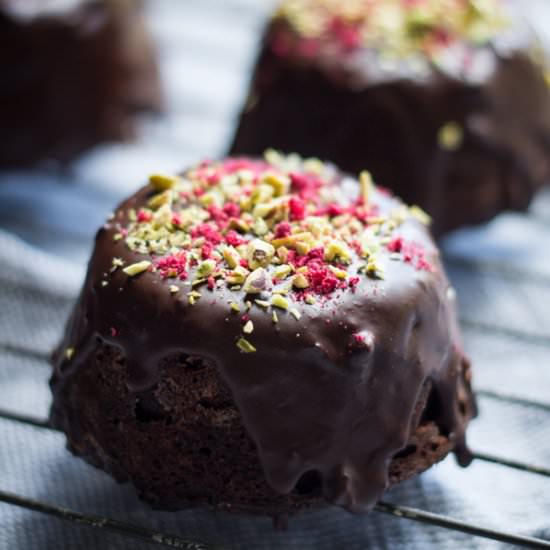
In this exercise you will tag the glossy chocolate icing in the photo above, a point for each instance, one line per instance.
(74, 74)
(351, 109)
(313, 396)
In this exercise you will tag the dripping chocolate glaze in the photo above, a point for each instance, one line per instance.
(356, 113)
(312, 397)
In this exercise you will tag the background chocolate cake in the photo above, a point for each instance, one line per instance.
(256, 335)
(446, 101)
(74, 73)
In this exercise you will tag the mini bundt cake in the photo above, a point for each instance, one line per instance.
(445, 101)
(260, 335)
(75, 73)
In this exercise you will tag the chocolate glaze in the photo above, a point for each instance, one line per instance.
(356, 114)
(73, 75)
(310, 398)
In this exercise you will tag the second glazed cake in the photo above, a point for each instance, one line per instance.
(262, 335)
(444, 101)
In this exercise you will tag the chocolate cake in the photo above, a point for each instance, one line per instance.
(446, 102)
(261, 336)
(74, 74)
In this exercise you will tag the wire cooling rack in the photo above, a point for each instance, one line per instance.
(206, 50)
(134, 531)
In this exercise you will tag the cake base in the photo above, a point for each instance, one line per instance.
(183, 443)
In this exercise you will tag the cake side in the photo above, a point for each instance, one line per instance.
(335, 350)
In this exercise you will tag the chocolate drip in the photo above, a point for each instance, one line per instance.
(313, 398)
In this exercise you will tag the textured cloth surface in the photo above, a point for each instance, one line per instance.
(48, 219)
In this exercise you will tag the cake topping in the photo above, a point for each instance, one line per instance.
(397, 28)
(274, 226)
(277, 230)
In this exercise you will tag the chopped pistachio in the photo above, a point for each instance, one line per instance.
(260, 227)
(262, 303)
(273, 157)
(173, 289)
(162, 182)
(263, 210)
(193, 296)
(341, 221)
(282, 253)
(259, 253)
(69, 352)
(450, 136)
(262, 193)
(211, 198)
(205, 268)
(420, 215)
(280, 184)
(293, 239)
(160, 199)
(199, 281)
(239, 224)
(283, 291)
(257, 281)
(116, 263)
(282, 271)
(135, 269)
(365, 181)
(274, 317)
(295, 313)
(117, 237)
(248, 327)
(314, 165)
(279, 301)
(237, 276)
(300, 281)
(377, 220)
(235, 307)
(337, 272)
(163, 216)
(245, 346)
(231, 257)
(104, 283)
(374, 269)
(310, 299)
(302, 248)
(337, 249)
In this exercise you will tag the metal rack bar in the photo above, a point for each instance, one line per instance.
(108, 524)
(174, 541)
(497, 396)
(21, 350)
(462, 526)
(517, 465)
